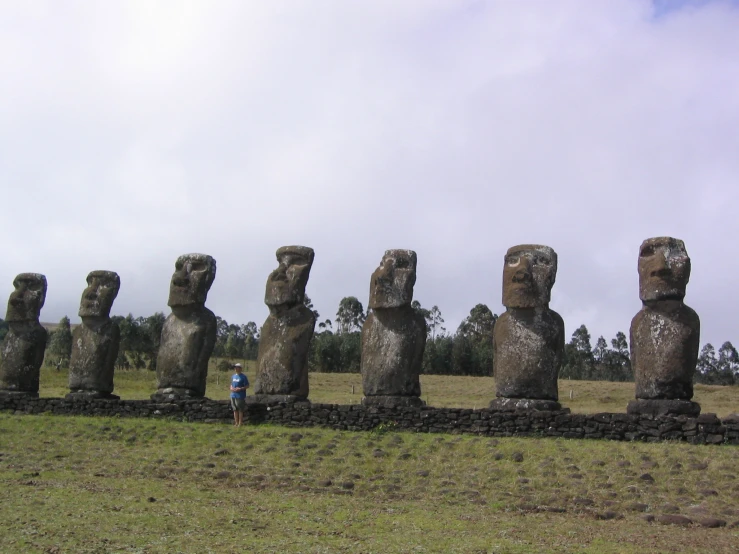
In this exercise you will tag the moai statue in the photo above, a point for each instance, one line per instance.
(529, 338)
(282, 365)
(189, 333)
(23, 349)
(665, 333)
(95, 342)
(393, 335)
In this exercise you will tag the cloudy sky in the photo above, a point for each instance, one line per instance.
(135, 131)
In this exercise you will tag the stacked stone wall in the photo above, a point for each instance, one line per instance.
(703, 429)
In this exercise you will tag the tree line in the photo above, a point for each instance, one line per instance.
(336, 346)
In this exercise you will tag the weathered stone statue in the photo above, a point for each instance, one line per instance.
(665, 334)
(393, 335)
(189, 333)
(282, 365)
(95, 342)
(529, 338)
(23, 349)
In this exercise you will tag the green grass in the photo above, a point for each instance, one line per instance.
(438, 390)
(78, 484)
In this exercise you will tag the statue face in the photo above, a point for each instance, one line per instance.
(286, 284)
(97, 298)
(191, 280)
(391, 285)
(529, 272)
(664, 269)
(28, 298)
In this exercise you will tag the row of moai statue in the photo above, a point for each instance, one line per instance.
(528, 339)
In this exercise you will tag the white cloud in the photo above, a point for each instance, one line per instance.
(133, 132)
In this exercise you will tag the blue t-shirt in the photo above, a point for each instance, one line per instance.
(237, 381)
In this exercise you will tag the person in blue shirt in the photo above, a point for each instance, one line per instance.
(239, 384)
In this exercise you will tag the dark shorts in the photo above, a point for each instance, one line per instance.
(238, 404)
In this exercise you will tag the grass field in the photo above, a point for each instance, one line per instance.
(437, 390)
(89, 485)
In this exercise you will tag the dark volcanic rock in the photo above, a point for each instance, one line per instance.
(95, 342)
(673, 519)
(393, 335)
(710, 522)
(665, 334)
(25, 342)
(189, 333)
(282, 365)
(528, 339)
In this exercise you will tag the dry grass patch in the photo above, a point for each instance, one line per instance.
(438, 390)
(94, 485)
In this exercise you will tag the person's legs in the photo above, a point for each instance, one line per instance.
(236, 409)
(238, 405)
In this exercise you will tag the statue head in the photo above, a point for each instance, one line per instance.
(529, 272)
(97, 298)
(664, 269)
(391, 285)
(286, 284)
(191, 280)
(28, 298)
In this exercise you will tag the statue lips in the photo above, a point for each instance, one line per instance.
(521, 282)
(383, 286)
(89, 306)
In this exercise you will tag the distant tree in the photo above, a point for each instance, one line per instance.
(462, 363)
(478, 326)
(707, 366)
(619, 358)
(579, 360)
(121, 361)
(324, 355)
(326, 326)
(721, 369)
(472, 352)
(309, 304)
(350, 352)
(3, 329)
(251, 340)
(426, 314)
(435, 321)
(438, 355)
(350, 315)
(232, 344)
(602, 363)
(600, 352)
(59, 349)
(728, 363)
(130, 337)
(222, 327)
(150, 330)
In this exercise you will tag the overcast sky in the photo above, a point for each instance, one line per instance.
(133, 132)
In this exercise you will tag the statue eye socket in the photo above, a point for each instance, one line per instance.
(646, 252)
(513, 260)
(35, 287)
(196, 266)
(401, 264)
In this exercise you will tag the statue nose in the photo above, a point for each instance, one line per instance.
(280, 274)
(523, 272)
(180, 279)
(659, 266)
